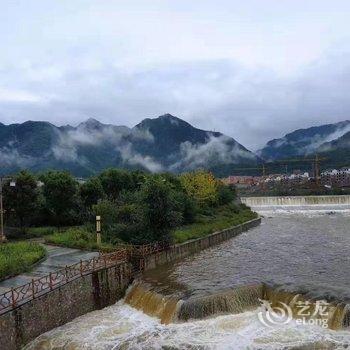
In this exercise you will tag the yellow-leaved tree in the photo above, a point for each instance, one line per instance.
(201, 186)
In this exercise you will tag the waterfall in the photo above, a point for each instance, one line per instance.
(142, 297)
(232, 301)
(172, 309)
(336, 315)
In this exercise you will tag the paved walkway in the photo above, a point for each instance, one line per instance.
(56, 258)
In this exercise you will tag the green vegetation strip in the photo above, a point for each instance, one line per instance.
(18, 257)
(78, 238)
(206, 223)
(223, 218)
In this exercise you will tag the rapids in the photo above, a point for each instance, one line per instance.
(123, 327)
(211, 300)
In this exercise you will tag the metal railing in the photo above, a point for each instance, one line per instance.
(143, 250)
(39, 286)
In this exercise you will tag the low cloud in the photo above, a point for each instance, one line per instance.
(93, 133)
(215, 150)
(11, 158)
(131, 157)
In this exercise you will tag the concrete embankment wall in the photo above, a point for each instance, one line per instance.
(61, 305)
(183, 250)
(296, 201)
(91, 292)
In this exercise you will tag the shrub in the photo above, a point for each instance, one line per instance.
(40, 231)
(226, 194)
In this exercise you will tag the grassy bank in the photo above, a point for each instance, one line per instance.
(78, 237)
(220, 219)
(206, 223)
(18, 257)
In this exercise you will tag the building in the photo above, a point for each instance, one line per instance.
(242, 181)
(336, 177)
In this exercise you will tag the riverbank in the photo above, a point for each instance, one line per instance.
(205, 223)
(222, 218)
(91, 292)
(302, 254)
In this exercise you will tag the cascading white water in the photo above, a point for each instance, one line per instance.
(122, 327)
(298, 203)
(296, 200)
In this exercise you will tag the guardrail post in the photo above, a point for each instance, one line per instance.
(66, 273)
(33, 288)
(13, 297)
(50, 281)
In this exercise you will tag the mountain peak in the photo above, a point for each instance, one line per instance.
(90, 123)
(162, 121)
(167, 116)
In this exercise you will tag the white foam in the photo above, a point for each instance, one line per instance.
(121, 326)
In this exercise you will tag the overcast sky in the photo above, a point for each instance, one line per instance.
(252, 69)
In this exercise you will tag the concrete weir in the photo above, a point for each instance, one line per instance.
(291, 203)
(92, 292)
(170, 309)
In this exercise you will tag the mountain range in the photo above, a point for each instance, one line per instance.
(331, 141)
(308, 141)
(165, 143)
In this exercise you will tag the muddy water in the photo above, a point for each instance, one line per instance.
(123, 327)
(301, 253)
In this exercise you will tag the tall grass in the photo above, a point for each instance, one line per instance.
(224, 217)
(18, 257)
(78, 237)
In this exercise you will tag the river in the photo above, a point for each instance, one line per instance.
(300, 252)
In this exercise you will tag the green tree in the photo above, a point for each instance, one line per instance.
(60, 193)
(91, 192)
(22, 198)
(159, 207)
(114, 181)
